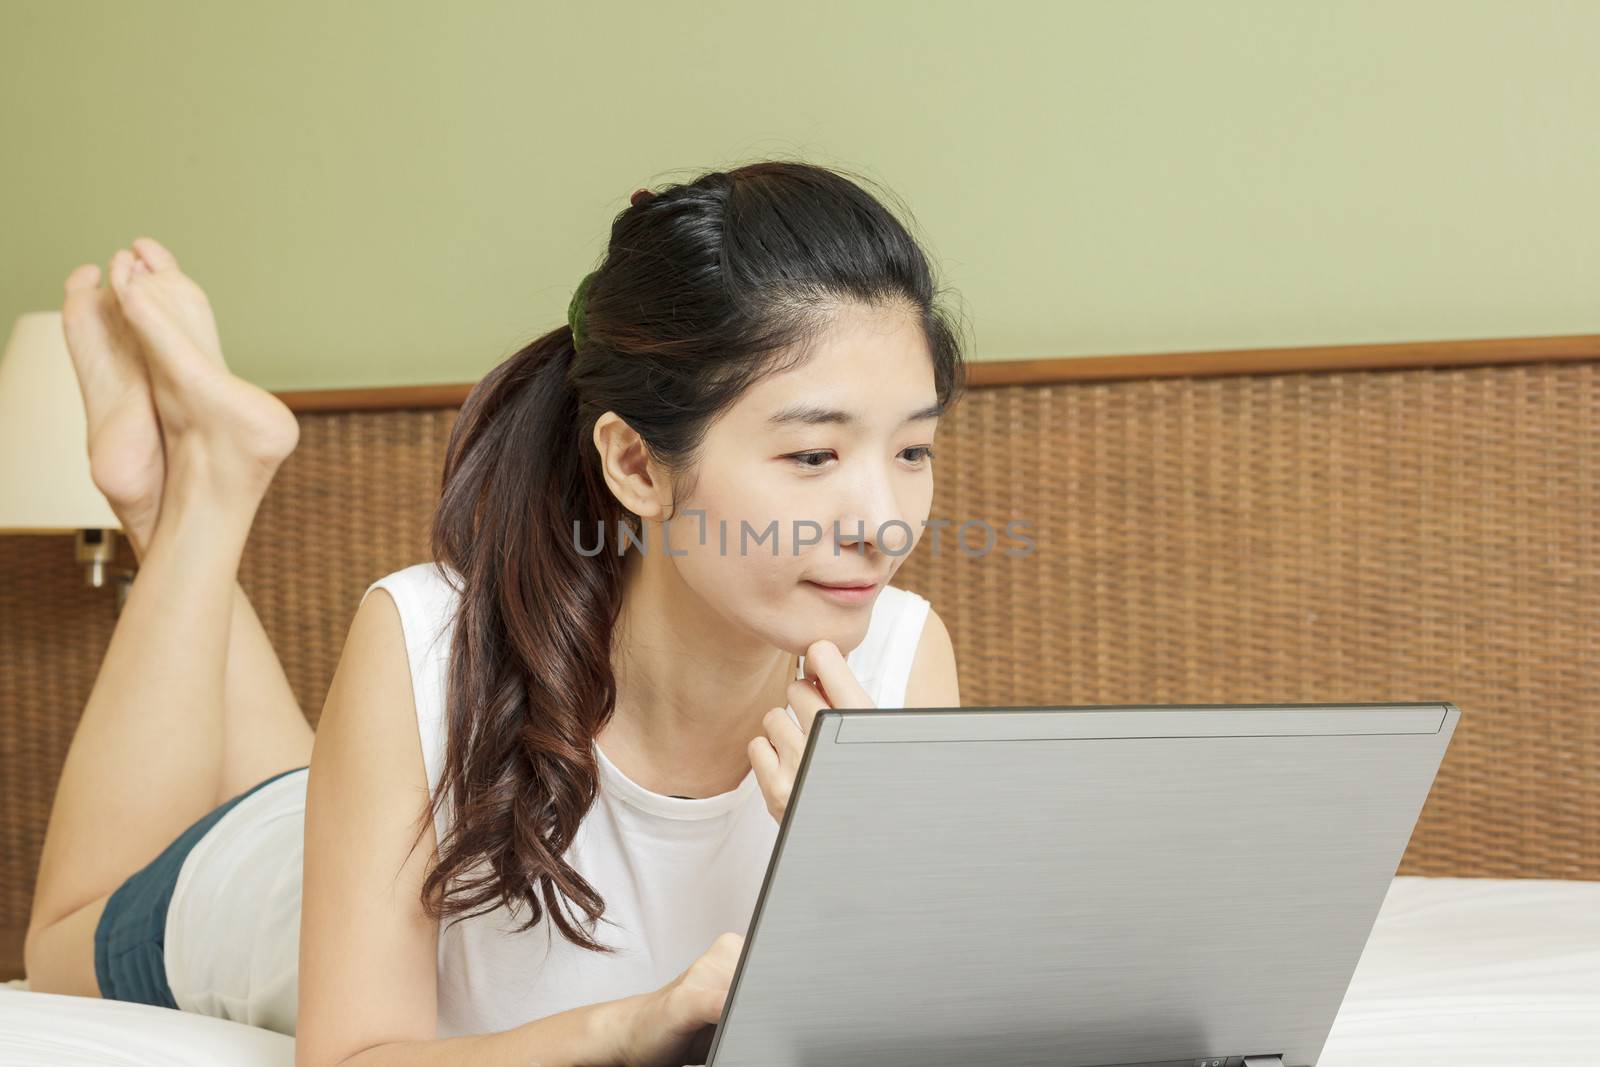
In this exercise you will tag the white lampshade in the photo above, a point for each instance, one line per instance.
(44, 462)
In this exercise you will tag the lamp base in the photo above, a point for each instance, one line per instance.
(96, 551)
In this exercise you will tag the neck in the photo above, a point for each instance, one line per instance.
(691, 688)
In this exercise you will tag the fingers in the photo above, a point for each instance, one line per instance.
(723, 958)
(829, 683)
(709, 1002)
(764, 758)
(776, 758)
(831, 671)
(829, 667)
(786, 738)
(806, 700)
(727, 947)
(775, 783)
(715, 965)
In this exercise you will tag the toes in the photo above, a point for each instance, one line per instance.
(154, 253)
(119, 269)
(85, 276)
(142, 307)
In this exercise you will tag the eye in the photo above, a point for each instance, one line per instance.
(802, 458)
(920, 456)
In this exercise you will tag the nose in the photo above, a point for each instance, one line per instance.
(871, 521)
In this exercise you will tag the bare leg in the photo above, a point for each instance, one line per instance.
(264, 730)
(146, 759)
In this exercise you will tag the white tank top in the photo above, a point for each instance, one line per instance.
(674, 873)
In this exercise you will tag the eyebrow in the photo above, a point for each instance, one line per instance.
(810, 415)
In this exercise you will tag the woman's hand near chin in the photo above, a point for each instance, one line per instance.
(829, 683)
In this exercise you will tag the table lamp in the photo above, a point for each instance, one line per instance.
(45, 487)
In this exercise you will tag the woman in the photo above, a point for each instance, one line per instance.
(748, 387)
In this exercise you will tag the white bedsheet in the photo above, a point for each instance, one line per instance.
(1458, 971)
(1475, 971)
(51, 1030)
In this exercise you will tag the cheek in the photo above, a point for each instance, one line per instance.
(916, 506)
(760, 592)
(750, 529)
(747, 554)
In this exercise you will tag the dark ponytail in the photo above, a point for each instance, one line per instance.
(706, 287)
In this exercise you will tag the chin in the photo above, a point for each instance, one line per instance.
(821, 620)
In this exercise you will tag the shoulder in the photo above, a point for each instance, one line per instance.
(429, 579)
(425, 595)
(933, 682)
(907, 659)
(376, 647)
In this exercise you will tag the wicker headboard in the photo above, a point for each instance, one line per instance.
(1372, 523)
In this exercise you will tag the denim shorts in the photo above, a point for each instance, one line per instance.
(130, 939)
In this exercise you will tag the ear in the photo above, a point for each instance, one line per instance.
(637, 481)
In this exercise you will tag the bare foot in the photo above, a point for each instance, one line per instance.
(126, 460)
(244, 431)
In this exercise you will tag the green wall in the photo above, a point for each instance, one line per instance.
(405, 192)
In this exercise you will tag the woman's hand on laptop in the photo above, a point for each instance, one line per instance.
(829, 683)
(675, 1024)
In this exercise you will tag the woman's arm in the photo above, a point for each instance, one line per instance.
(368, 980)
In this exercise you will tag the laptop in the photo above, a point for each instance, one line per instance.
(1152, 885)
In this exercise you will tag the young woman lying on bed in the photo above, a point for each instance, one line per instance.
(759, 352)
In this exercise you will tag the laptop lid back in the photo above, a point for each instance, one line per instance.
(1075, 887)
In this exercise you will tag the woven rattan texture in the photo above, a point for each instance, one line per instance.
(1361, 536)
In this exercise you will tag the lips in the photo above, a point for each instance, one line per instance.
(865, 584)
(846, 596)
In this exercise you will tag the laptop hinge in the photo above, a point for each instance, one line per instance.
(1263, 1061)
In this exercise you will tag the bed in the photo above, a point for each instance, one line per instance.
(1363, 523)
(1464, 972)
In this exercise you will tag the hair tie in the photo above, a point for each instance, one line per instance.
(576, 309)
(579, 302)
